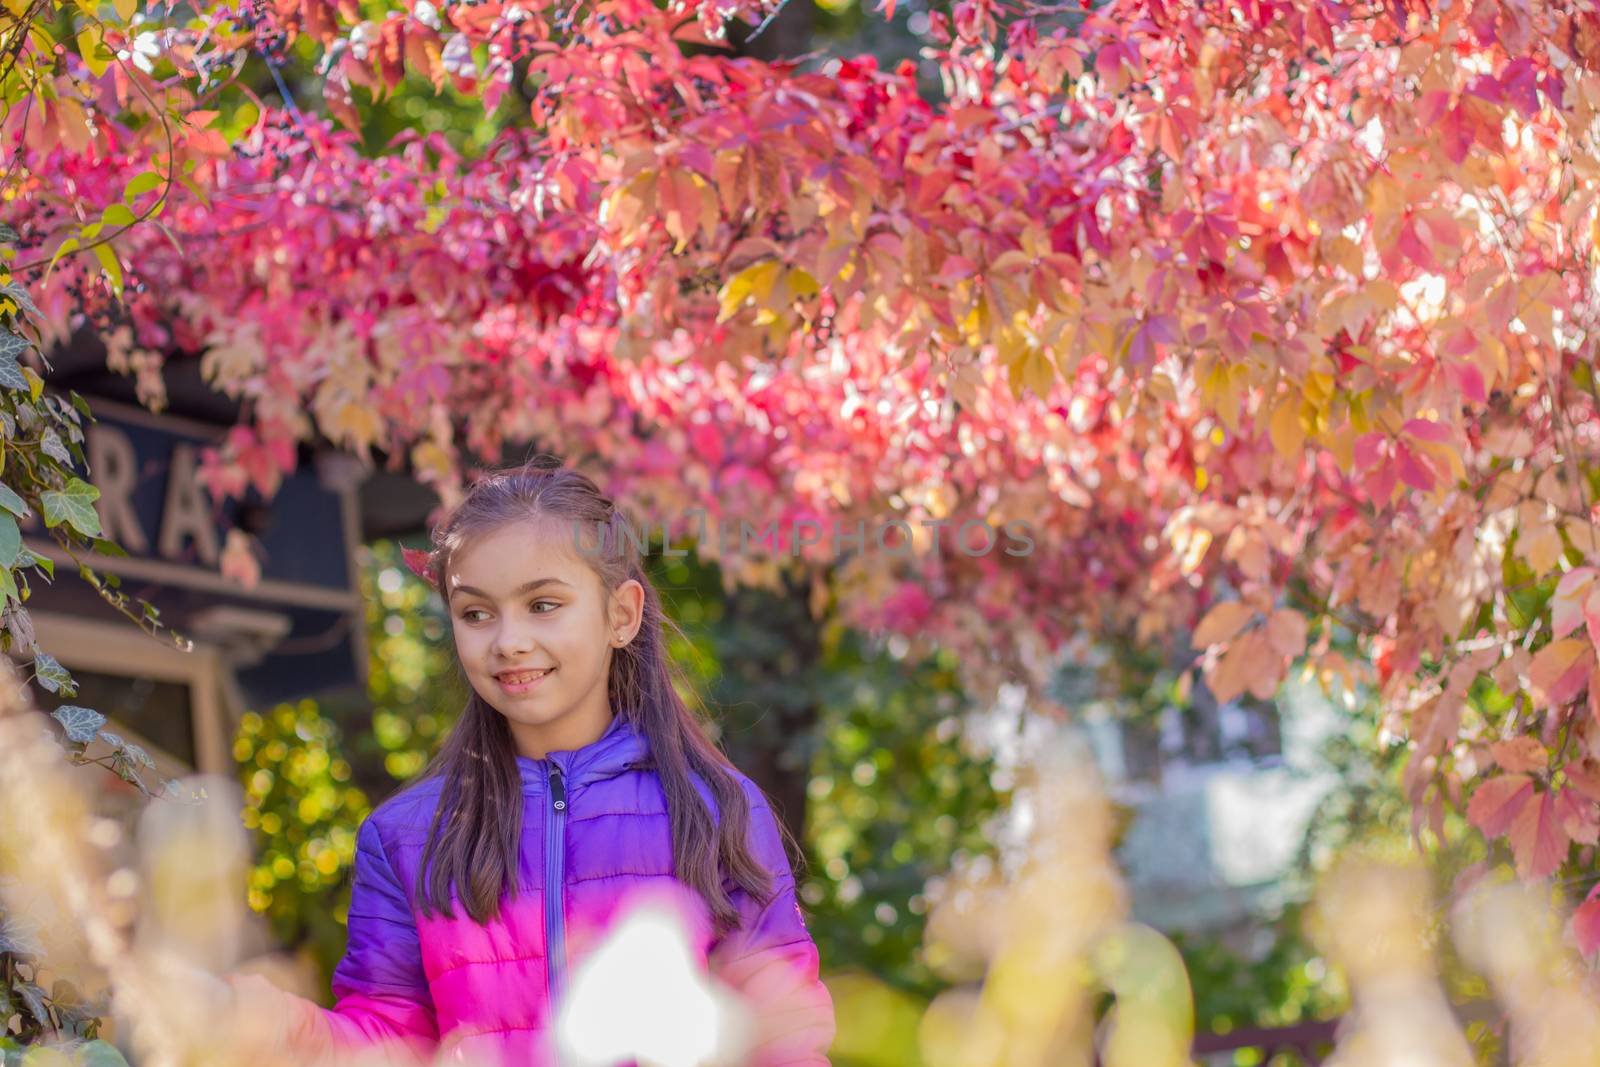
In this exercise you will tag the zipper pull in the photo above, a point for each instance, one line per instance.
(558, 792)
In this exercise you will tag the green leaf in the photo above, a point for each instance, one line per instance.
(108, 259)
(33, 997)
(8, 235)
(70, 245)
(141, 184)
(53, 446)
(10, 541)
(91, 48)
(19, 296)
(46, 1056)
(108, 548)
(12, 502)
(195, 189)
(17, 936)
(81, 724)
(119, 215)
(13, 344)
(99, 1053)
(139, 755)
(11, 375)
(29, 558)
(73, 505)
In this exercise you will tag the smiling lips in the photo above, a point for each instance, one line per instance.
(520, 680)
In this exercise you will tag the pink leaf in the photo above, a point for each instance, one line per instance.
(1586, 923)
(1538, 840)
(1520, 755)
(1496, 803)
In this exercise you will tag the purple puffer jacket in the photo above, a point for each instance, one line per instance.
(594, 824)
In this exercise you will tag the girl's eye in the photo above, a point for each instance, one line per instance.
(553, 605)
(467, 616)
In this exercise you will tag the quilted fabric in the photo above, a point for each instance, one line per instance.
(483, 993)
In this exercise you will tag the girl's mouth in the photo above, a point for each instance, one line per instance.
(521, 681)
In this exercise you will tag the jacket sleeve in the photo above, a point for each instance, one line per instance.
(382, 1003)
(771, 962)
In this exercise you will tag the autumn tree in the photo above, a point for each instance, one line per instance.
(1261, 320)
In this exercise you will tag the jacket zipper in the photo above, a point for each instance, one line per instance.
(555, 926)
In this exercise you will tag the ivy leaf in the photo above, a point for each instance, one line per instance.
(8, 235)
(53, 446)
(10, 541)
(81, 724)
(99, 1053)
(52, 675)
(34, 998)
(13, 503)
(13, 344)
(11, 375)
(73, 505)
(14, 292)
(138, 755)
(17, 936)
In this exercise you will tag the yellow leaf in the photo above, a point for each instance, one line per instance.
(126, 8)
(108, 259)
(354, 421)
(92, 49)
(1031, 370)
(754, 282)
(1288, 437)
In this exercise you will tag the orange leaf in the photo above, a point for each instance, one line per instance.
(1221, 623)
(1561, 670)
(1538, 840)
(1520, 754)
(1238, 668)
(1286, 632)
(1497, 802)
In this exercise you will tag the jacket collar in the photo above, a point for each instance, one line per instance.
(621, 746)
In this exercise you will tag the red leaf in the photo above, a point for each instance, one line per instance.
(1538, 840)
(1496, 803)
(417, 560)
(1586, 923)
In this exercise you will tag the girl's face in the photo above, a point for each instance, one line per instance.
(536, 631)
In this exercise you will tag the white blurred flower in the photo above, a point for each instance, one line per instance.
(641, 998)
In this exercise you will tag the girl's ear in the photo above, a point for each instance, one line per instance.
(627, 612)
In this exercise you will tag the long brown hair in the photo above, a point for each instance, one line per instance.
(473, 842)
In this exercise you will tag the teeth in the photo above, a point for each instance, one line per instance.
(522, 676)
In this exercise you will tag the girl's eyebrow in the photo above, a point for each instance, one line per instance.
(525, 587)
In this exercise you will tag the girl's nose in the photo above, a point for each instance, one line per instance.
(512, 642)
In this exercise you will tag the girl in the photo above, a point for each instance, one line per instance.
(575, 777)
